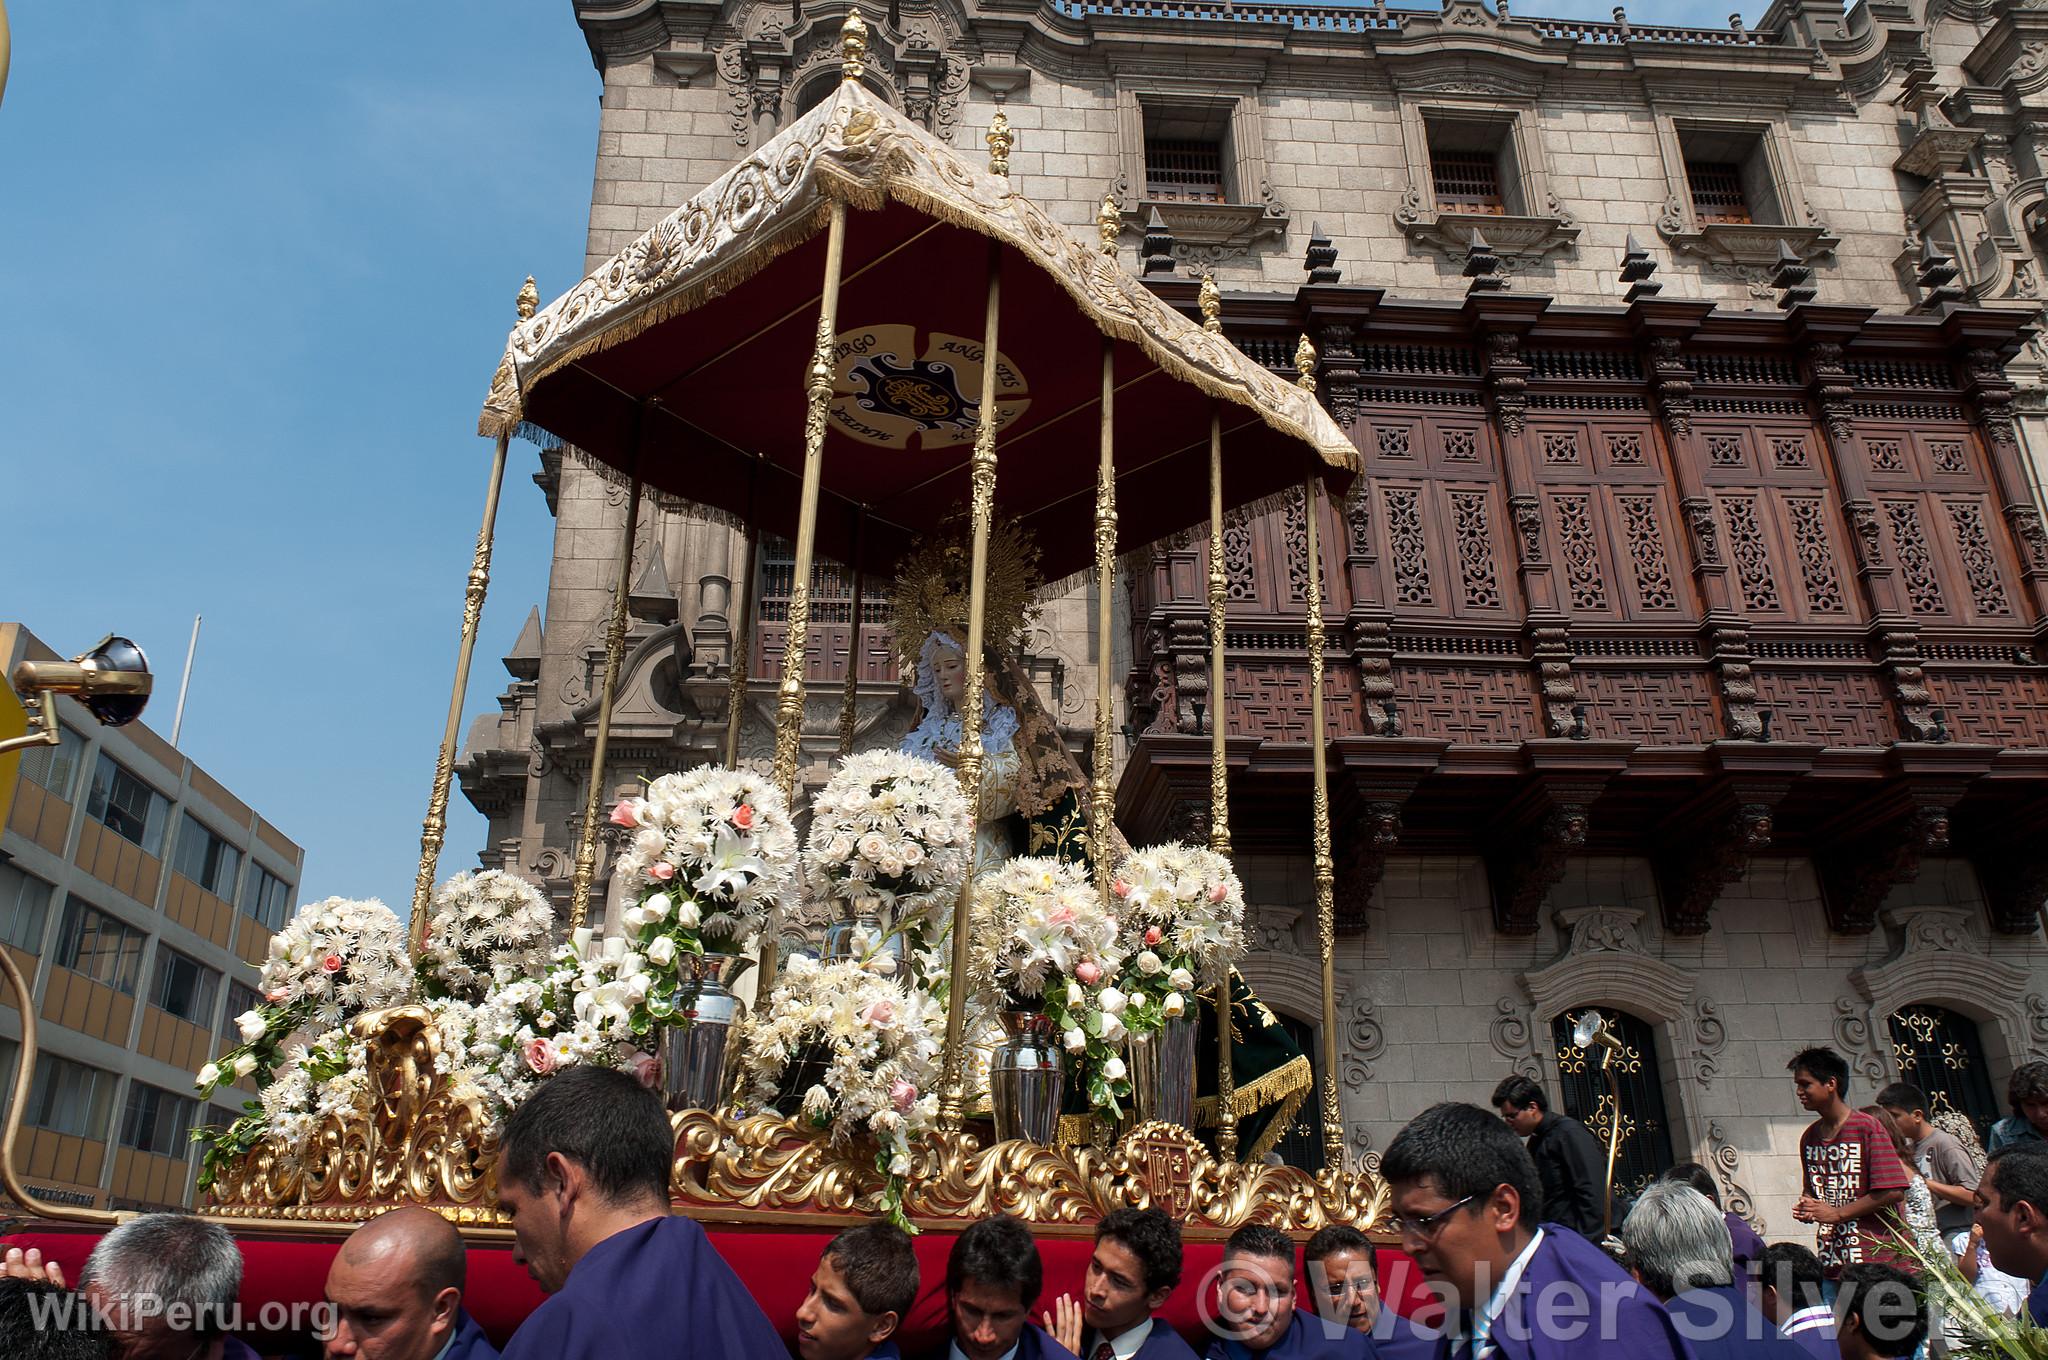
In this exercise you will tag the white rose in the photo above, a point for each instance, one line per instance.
(1114, 1069)
(1149, 963)
(1112, 1001)
(656, 906)
(209, 1075)
(649, 843)
(245, 1064)
(1075, 1039)
(632, 918)
(1174, 1006)
(1181, 979)
(614, 947)
(1075, 996)
(1112, 1029)
(687, 915)
(662, 952)
(251, 1024)
(883, 965)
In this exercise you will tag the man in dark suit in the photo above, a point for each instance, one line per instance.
(1135, 1267)
(993, 1278)
(1569, 1159)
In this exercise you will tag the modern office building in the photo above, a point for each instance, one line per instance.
(137, 896)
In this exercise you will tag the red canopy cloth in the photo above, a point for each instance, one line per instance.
(685, 357)
(776, 1266)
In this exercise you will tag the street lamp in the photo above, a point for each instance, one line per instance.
(112, 681)
(1591, 1032)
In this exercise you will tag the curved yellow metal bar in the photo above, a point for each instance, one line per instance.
(5, 49)
(25, 1075)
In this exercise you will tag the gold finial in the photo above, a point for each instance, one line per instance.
(1000, 140)
(1109, 223)
(1305, 364)
(853, 46)
(529, 299)
(1211, 298)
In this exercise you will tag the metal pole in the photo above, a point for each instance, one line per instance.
(6, 46)
(849, 699)
(185, 684)
(1613, 1137)
(1101, 802)
(742, 641)
(1211, 299)
(982, 477)
(614, 652)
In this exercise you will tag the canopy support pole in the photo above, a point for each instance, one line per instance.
(982, 478)
(789, 701)
(1318, 745)
(742, 644)
(435, 828)
(1102, 799)
(1211, 299)
(849, 698)
(614, 652)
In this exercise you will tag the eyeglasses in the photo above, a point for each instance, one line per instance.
(1427, 1226)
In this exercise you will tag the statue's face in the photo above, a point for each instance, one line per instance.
(949, 668)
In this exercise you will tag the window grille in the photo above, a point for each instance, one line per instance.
(1467, 181)
(1717, 194)
(1189, 171)
(1645, 1147)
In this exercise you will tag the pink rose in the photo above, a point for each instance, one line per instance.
(662, 870)
(1153, 935)
(1220, 894)
(881, 1013)
(646, 1069)
(743, 816)
(903, 1095)
(331, 964)
(624, 815)
(1061, 915)
(1120, 888)
(540, 1056)
(275, 996)
(1089, 971)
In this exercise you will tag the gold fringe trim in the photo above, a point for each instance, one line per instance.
(1292, 1078)
(1276, 1127)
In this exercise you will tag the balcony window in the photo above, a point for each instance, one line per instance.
(127, 806)
(1728, 174)
(1187, 152)
(24, 909)
(70, 1098)
(157, 1122)
(55, 768)
(1467, 181)
(100, 947)
(184, 987)
(206, 859)
(1717, 194)
(266, 898)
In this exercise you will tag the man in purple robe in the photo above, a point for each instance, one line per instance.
(993, 1278)
(1790, 1292)
(860, 1293)
(396, 1290)
(1255, 1309)
(1679, 1247)
(1466, 1203)
(1748, 1246)
(1135, 1265)
(1344, 1285)
(583, 1175)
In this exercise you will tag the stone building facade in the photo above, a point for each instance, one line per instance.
(1686, 646)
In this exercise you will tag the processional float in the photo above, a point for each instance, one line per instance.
(669, 370)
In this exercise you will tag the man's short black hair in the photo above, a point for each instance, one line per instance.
(1341, 1237)
(1902, 1095)
(1822, 1064)
(879, 1266)
(1153, 1237)
(1265, 1241)
(1696, 1176)
(998, 1252)
(2019, 1174)
(1795, 1272)
(1466, 1151)
(1886, 1303)
(604, 1121)
(1520, 1092)
(2029, 1082)
(39, 1321)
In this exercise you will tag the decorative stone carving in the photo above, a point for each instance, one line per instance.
(1533, 865)
(1518, 241)
(1735, 1196)
(1507, 381)
(2037, 1025)
(1673, 379)
(1363, 862)
(1853, 1038)
(1709, 1037)
(1692, 879)
(1364, 1042)
(1211, 234)
(2014, 876)
(1513, 1037)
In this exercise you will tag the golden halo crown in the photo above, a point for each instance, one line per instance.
(931, 593)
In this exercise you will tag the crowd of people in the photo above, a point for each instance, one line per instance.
(1503, 1211)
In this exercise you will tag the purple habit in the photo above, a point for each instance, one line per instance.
(1748, 1246)
(1397, 1337)
(234, 1348)
(1573, 1303)
(469, 1341)
(1308, 1338)
(1720, 1324)
(658, 1283)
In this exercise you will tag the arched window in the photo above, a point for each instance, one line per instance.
(1582, 1090)
(1940, 1052)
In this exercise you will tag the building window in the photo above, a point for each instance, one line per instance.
(24, 909)
(127, 806)
(184, 987)
(55, 768)
(1717, 194)
(1466, 181)
(70, 1098)
(99, 947)
(206, 859)
(1645, 1133)
(1728, 172)
(1473, 168)
(266, 898)
(241, 1000)
(1940, 1052)
(156, 1121)
(1187, 153)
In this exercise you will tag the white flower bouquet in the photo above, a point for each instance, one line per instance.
(866, 1050)
(718, 847)
(1043, 941)
(1182, 913)
(892, 831)
(486, 930)
(336, 958)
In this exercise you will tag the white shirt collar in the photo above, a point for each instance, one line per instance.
(1506, 1289)
(1806, 1319)
(1125, 1346)
(953, 1352)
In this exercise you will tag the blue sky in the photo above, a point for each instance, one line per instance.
(257, 260)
